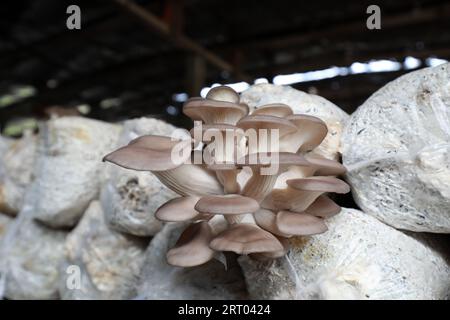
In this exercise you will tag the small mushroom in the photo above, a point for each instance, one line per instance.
(192, 248)
(301, 193)
(309, 134)
(244, 238)
(299, 224)
(260, 185)
(220, 106)
(323, 207)
(223, 93)
(178, 209)
(273, 109)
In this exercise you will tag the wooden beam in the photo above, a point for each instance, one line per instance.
(195, 75)
(156, 24)
(430, 14)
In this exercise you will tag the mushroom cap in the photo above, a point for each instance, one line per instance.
(325, 167)
(244, 238)
(203, 109)
(283, 159)
(320, 184)
(150, 153)
(192, 248)
(317, 129)
(299, 224)
(274, 109)
(178, 209)
(227, 204)
(273, 254)
(267, 220)
(223, 93)
(323, 207)
(267, 122)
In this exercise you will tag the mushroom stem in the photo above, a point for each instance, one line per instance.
(218, 224)
(259, 186)
(234, 218)
(228, 178)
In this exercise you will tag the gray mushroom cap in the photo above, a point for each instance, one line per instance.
(150, 153)
(274, 109)
(245, 238)
(178, 209)
(227, 204)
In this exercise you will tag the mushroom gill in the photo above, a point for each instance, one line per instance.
(259, 182)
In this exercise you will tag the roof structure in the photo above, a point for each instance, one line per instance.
(131, 58)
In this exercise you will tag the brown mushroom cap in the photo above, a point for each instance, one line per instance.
(212, 111)
(223, 93)
(192, 248)
(178, 209)
(274, 109)
(245, 238)
(227, 204)
(150, 153)
(319, 183)
(267, 219)
(300, 224)
(264, 256)
(267, 122)
(325, 167)
(323, 207)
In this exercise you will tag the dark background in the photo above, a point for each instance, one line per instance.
(131, 58)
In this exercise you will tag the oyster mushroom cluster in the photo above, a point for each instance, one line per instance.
(247, 183)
